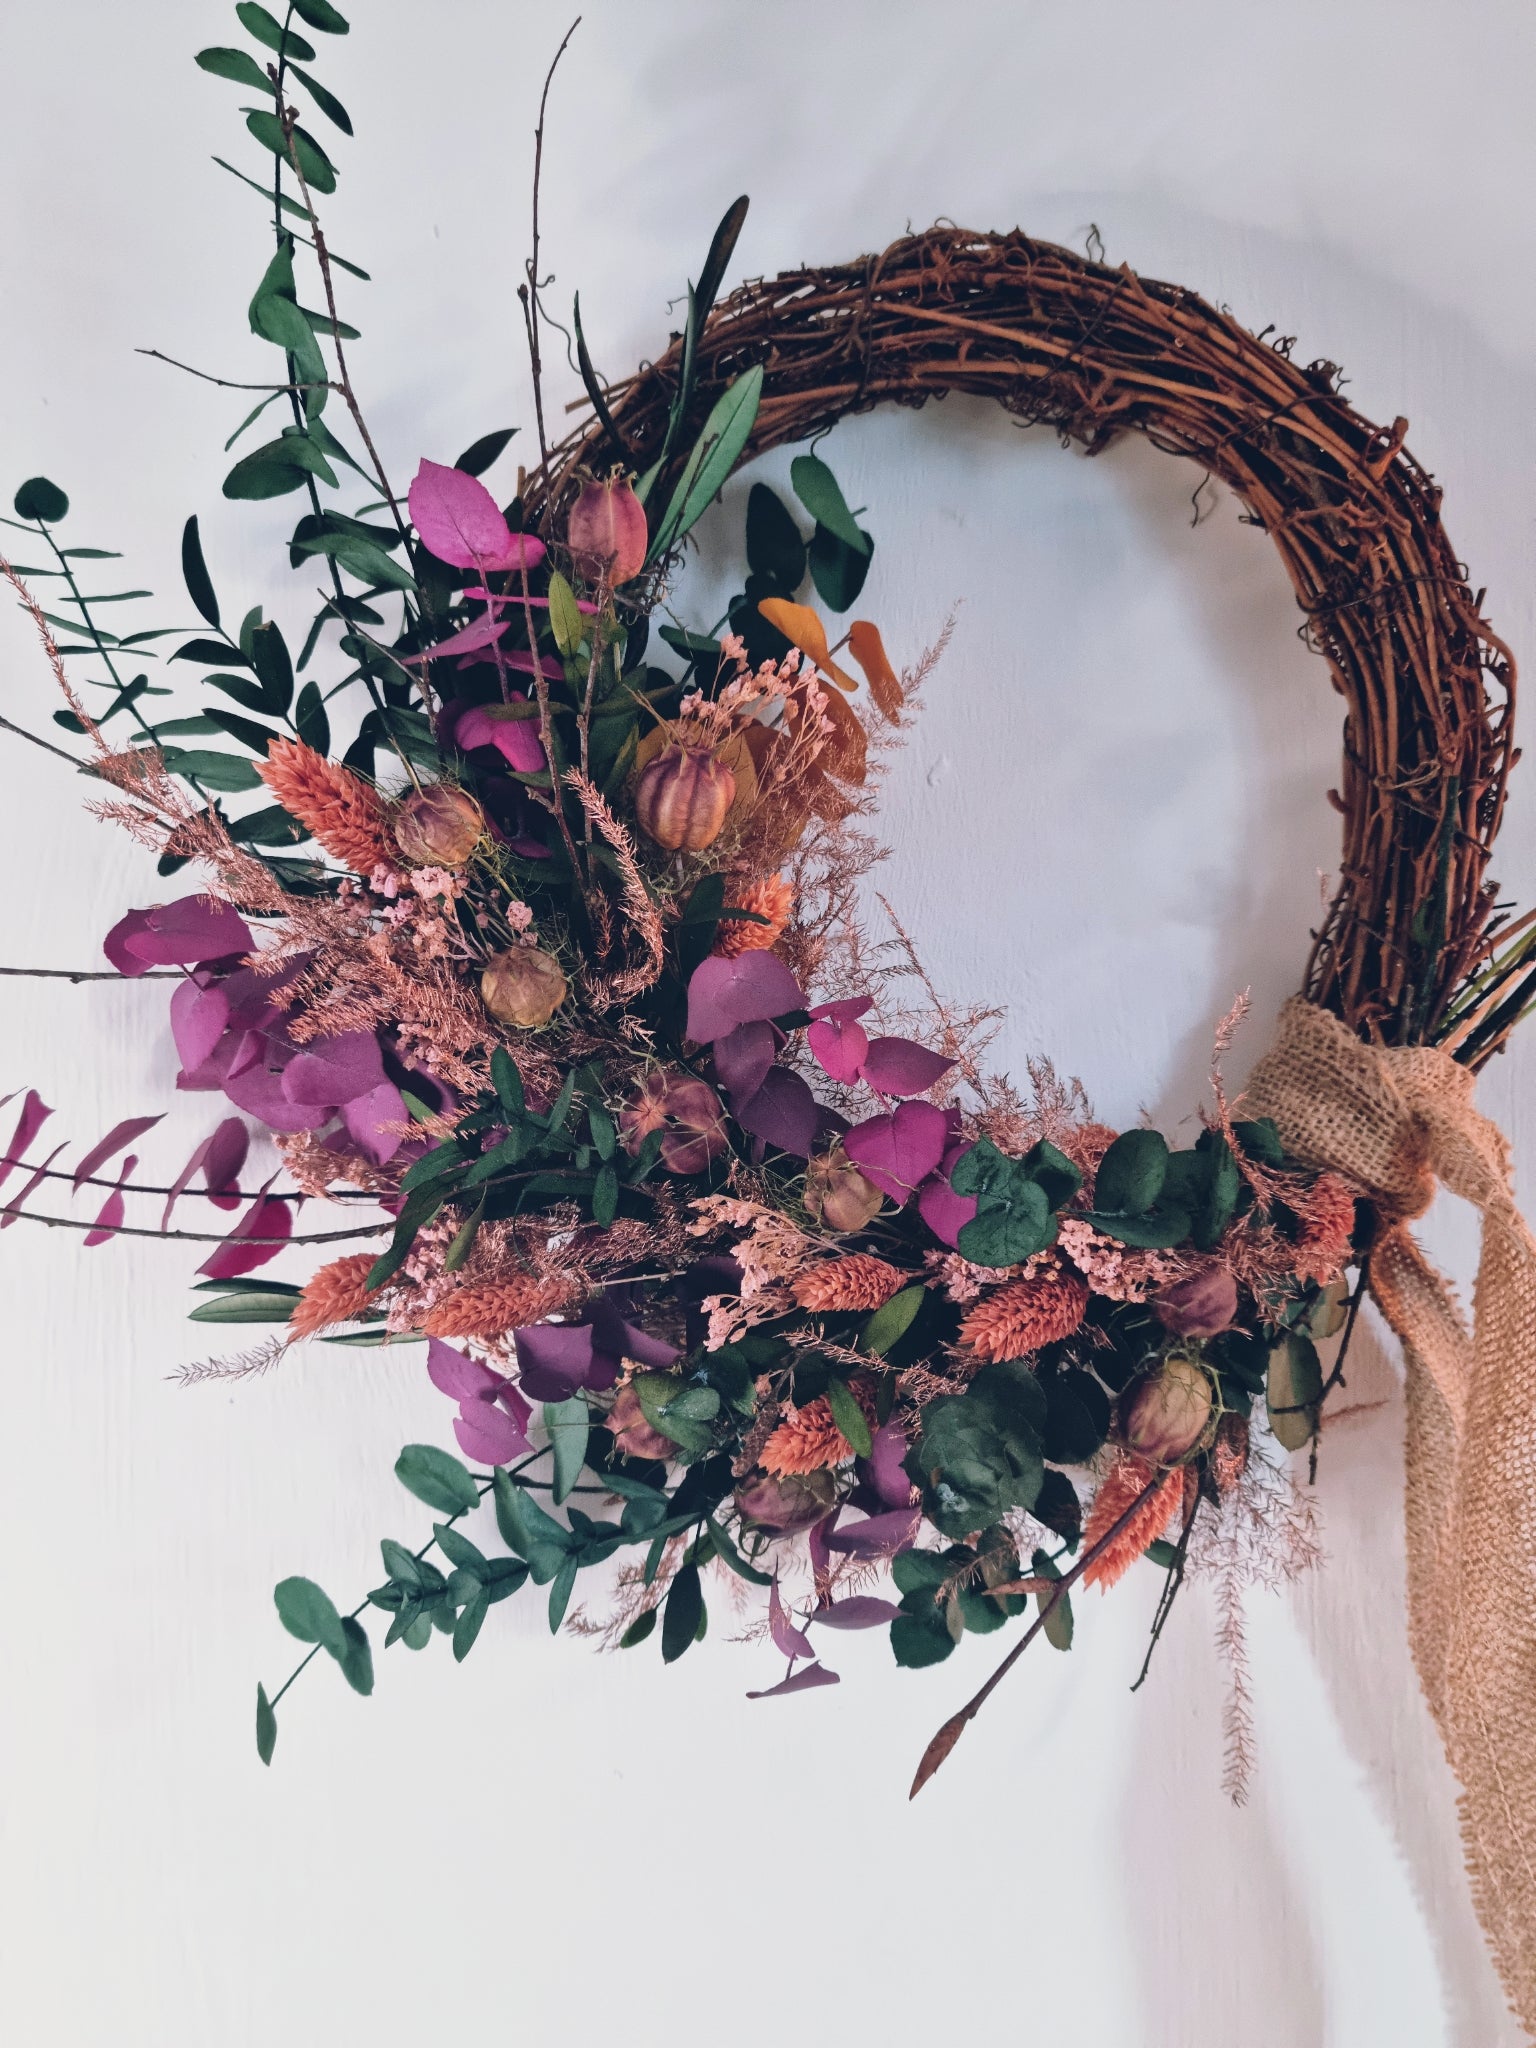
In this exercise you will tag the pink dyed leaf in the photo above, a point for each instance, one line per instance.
(860, 1610)
(334, 1070)
(724, 993)
(816, 1543)
(900, 1066)
(877, 1535)
(477, 634)
(515, 739)
(374, 1122)
(457, 1375)
(269, 1216)
(845, 1010)
(199, 1018)
(744, 1056)
(518, 602)
(111, 1212)
(899, 1151)
(257, 1088)
(522, 660)
(227, 1149)
(11, 1213)
(34, 1114)
(802, 1681)
(459, 521)
(789, 1641)
(839, 1046)
(120, 1135)
(179, 934)
(783, 1112)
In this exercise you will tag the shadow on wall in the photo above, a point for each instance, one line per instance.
(1120, 774)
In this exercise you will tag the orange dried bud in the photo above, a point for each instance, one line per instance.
(682, 798)
(607, 533)
(439, 826)
(837, 1194)
(523, 987)
(858, 1281)
(1167, 1413)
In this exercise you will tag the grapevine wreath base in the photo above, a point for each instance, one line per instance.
(739, 1266)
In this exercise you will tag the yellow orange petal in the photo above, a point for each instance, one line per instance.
(868, 650)
(801, 627)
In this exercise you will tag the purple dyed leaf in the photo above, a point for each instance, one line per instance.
(845, 1010)
(257, 1088)
(559, 1359)
(219, 1157)
(860, 1610)
(34, 1114)
(268, 1216)
(816, 1542)
(368, 1118)
(886, 1473)
(334, 1070)
(784, 1112)
(199, 1018)
(840, 1046)
(743, 1057)
(477, 634)
(900, 1066)
(457, 1375)
(899, 1151)
(120, 1135)
(946, 1213)
(802, 1681)
(522, 661)
(179, 934)
(878, 1535)
(724, 993)
(621, 1339)
(789, 1641)
(487, 1433)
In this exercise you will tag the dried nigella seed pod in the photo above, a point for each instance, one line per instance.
(607, 533)
(439, 826)
(523, 986)
(1165, 1414)
(683, 797)
(1202, 1306)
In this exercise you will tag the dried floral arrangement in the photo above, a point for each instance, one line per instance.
(736, 1261)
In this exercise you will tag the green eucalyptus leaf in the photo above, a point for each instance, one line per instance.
(266, 1726)
(40, 499)
(244, 1307)
(438, 1478)
(322, 15)
(309, 1613)
(319, 172)
(568, 1424)
(714, 456)
(327, 102)
(467, 1627)
(356, 1659)
(560, 1592)
(1131, 1173)
(1293, 1390)
(237, 65)
(889, 1324)
(256, 22)
(309, 717)
(821, 495)
(566, 621)
(642, 1626)
(195, 573)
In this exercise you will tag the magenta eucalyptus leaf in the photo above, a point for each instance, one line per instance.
(111, 1213)
(457, 1375)
(34, 1114)
(120, 1135)
(257, 1088)
(899, 1151)
(179, 934)
(12, 1211)
(227, 1149)
(468, 639)
(784, 1112)
(559, 1359)
(789, 1641)
(487, 1433)
(515, 739)
(802, 1681)
(199, 1018)
(816, 1543)
(900, 1066)
(860, 1610)
(522, 661)
(845, 1010)
(458, 519)
(724, 993)
(878, 1535)
(268, 1216)
(840, 1047)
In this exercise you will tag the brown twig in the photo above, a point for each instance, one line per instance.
(230, 383)
(194, 1236)
(533, 311)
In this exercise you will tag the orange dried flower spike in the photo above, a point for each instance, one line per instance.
(770, 897)
(1119, 1487)
(336, 1294)
(855, 1282)
(1327, 1229)
(490, 1308)
(807, 1439)
(1018, 1318)
(343, 813)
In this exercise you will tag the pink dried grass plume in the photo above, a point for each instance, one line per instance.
(1327, 1213)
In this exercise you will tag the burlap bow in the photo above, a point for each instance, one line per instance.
(1397, 1120)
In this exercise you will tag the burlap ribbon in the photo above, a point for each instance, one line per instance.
(1397, 1121)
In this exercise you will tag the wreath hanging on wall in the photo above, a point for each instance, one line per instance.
(740, 1267)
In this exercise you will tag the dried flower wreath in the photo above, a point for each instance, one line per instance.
(703, 1218)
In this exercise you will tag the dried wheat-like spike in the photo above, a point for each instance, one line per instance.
(1020, 1317)
(858, 1281)
(336, 1294)
(343, 812)
(490, 1308)
(805, 1440)
(1119, 1487)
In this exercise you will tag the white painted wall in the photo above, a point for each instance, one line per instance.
(1111, 816)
